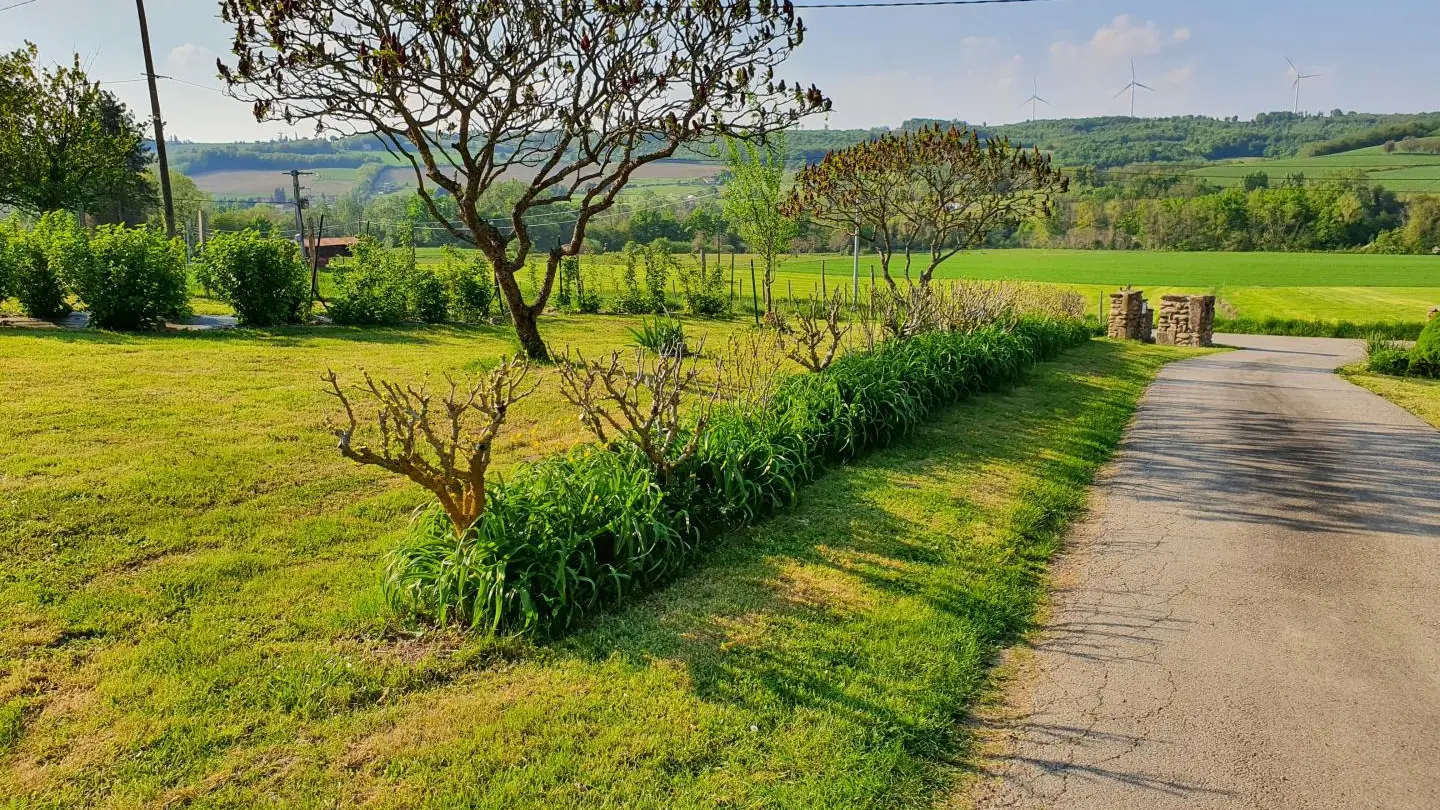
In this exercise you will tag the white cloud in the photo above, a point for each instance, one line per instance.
(190, 57)
(1180, 76)
(1122, 38)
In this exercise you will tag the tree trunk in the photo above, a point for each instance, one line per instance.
(528, 331)
(525, 317)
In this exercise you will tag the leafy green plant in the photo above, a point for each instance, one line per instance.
(633, 299)
(428, 300)
(373, 286)
(32, 269)
(131, 277)
(468, 285)
(705, 289)
(571, 535)
(662, 335)
(1425, 357)
(263, 278)
(1385, 356)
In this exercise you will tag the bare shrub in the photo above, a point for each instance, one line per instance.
(446, 450)
(644, 406)
(818, 333)
(749, 369)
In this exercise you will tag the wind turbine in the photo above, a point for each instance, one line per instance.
(1034, 99)
(1132, 87)
(1299, 77)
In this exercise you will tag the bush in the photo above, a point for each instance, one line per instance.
(429, 300)
(706, 291)
(32, 265)
(1425, 357)
(468, 285)
(129, 278)
(264, 279)
(373, 286)
(568, 536)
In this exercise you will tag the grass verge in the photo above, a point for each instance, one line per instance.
(1415, 394)
(820, 659)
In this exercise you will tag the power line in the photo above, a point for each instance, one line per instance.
(18, 5)
(912, 3)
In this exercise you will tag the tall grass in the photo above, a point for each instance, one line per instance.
(1296, 327)
(575, 534)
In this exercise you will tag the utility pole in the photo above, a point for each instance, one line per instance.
(295, 175)
(159, 124)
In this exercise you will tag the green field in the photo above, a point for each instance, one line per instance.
(190, 611)
(1400, 172)
(1321, 286)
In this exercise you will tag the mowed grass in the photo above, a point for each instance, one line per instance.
(1417, 395)
(191, 613)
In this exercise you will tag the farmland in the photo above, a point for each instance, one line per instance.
(1402, 173)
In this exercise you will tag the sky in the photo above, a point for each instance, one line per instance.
(884, 65)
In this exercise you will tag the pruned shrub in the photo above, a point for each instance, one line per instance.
(1299, 327)
(569, 536)
(818, 333)
(445, 446)
(263, 278)
(1425, 357)
(129, 278)
(468, 285)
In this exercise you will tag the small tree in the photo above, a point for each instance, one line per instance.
(752, 201)
(575, 95)
(935, 191)
(64, 142)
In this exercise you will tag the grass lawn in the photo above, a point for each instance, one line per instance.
(189, 610)
(1419, 396)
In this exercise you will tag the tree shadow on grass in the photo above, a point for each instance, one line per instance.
(880, 600)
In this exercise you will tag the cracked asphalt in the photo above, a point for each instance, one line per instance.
(1250, 615)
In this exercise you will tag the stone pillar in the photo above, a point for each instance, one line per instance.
(1186, 320)
(1129, 316)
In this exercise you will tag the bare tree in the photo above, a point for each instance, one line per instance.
(934, 191)
(572, 96)
(437, 450)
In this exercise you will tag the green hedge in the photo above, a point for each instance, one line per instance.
(573, 535)
(1296, 327)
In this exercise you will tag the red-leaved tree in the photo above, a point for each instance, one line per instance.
(932, 191)
(569, 96)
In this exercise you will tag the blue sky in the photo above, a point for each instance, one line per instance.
(1213, 57)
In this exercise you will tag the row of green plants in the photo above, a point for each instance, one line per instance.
(128, 278)
(1384, 355)
(684, 453)
(1303, 327)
